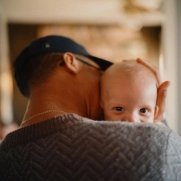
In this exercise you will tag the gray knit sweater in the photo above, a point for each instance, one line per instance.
(70, 147)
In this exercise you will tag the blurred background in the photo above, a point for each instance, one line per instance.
(110, 29)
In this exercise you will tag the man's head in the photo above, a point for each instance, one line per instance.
(37, 61)
(129, 93)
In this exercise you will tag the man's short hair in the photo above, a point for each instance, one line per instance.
(26, 62)
(36, 71)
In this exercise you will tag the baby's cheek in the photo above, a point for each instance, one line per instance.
(113, 117)
(106, 116)
(150, 119)
(109, 117)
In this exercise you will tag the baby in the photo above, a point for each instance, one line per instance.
(129, 93)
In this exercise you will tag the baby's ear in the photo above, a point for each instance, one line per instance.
(156, 111)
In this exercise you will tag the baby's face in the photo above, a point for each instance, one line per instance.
(129, 98)
(130, 104)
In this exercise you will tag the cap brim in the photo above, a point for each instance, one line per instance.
(104, 64)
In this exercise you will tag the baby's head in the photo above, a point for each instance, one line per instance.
(129, 93)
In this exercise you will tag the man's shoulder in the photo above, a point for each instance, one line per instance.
(73, 125)
(103, 149)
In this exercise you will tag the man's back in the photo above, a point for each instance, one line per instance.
(74, 148)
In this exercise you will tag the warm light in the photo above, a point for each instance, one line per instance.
(6, 97)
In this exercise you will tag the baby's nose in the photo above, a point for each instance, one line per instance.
(131, 117)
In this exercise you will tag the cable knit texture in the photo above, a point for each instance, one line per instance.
(73, 148)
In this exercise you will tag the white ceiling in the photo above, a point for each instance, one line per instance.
(82, 11)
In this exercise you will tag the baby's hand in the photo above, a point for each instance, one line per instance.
(162, 91)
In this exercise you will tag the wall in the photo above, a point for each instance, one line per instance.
(6, 115)
(171, 65)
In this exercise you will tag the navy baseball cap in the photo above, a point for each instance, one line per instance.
(55, 43)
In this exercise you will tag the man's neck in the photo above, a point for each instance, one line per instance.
(45, 105)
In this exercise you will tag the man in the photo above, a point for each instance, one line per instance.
(65, 73)
(57, 141)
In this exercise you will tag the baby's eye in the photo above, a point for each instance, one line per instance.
(118, 108)
(144, 110)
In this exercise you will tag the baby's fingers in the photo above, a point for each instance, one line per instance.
(161, 100)
(152, 68)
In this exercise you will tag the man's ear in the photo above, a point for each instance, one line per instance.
(156, 111)
(71, 63)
